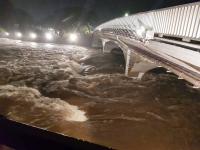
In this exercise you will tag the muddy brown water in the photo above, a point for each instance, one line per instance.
(82, 93)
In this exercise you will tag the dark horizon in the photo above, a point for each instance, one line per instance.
(43, 8)
(94, 12)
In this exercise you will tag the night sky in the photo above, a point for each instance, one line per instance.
(103, 9)
(41, 8)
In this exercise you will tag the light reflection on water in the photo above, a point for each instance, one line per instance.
(97, 103)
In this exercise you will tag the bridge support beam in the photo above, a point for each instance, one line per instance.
(104, 41)
(139, 69)
(128, 58)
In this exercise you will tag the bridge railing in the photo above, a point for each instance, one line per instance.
(181, 21)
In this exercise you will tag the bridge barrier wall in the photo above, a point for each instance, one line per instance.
(181, 21)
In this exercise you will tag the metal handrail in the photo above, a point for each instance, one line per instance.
(181, 21)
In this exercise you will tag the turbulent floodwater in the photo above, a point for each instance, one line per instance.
(82, 93)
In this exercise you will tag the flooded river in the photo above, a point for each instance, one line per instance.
(83, 93)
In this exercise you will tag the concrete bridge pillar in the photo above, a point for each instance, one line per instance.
(128, 58)
(140, 68)
(136, 66)
(104, 41)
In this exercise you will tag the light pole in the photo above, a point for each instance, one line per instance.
(126, 14)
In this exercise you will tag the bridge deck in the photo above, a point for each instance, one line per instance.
(182, 61)
(182, 56)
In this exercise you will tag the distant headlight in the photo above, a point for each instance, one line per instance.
(7, 34)
(33, 36)
(48, 36)
(73, 37)
(18, 34)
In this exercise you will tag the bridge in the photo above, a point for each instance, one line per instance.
(168, 38)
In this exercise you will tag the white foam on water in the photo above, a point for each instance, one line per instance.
(67, 111)
(54, 106)
(77, 115)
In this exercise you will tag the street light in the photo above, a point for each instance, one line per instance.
(126, 14)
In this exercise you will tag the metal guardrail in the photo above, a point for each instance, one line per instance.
(24, 137)
(181, 21)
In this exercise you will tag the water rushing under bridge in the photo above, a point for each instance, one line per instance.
(167, 38)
